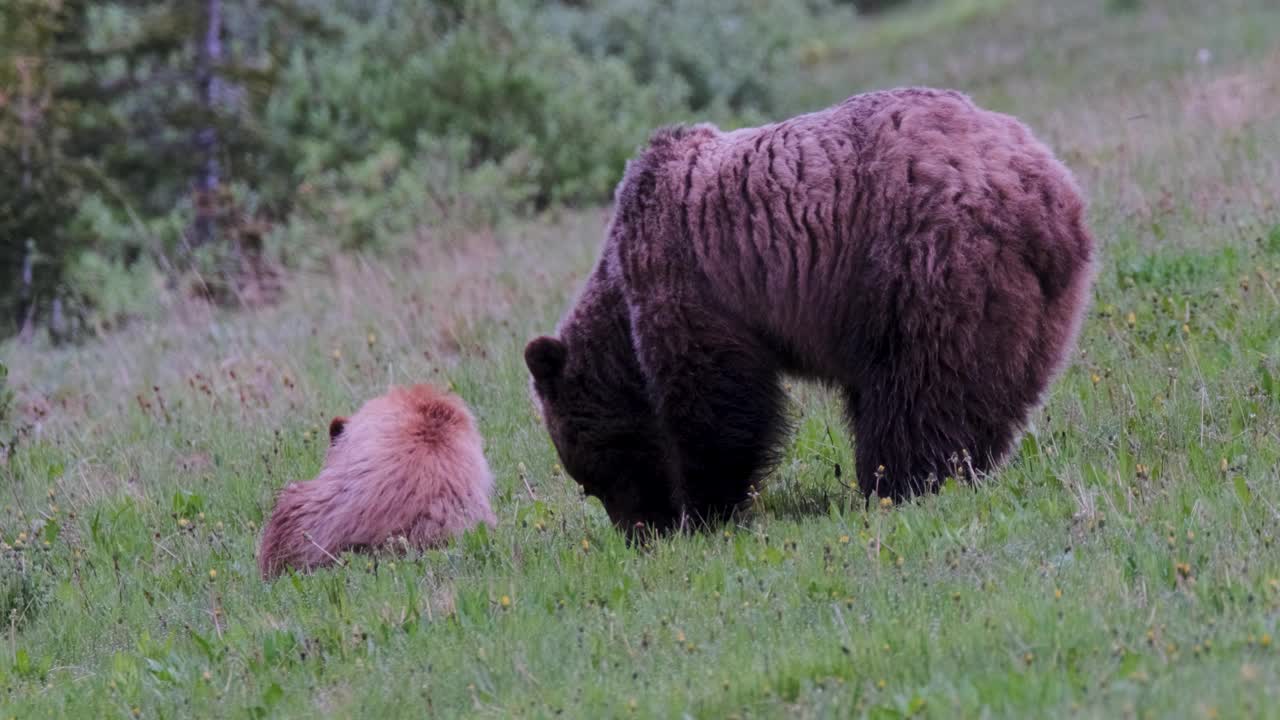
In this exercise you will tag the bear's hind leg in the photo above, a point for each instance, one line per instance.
(718, 397)
(908, 446)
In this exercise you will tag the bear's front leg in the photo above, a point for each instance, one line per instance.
(719, 402)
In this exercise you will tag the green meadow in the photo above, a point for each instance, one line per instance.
(1126, 563)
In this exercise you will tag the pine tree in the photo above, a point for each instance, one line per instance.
(152, 104)
(35, 184)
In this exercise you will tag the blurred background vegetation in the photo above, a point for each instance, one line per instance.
(206, 148)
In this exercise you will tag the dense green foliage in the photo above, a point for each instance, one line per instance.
(717, 53)
(155, 141)
(101, 105)
(1125, 564)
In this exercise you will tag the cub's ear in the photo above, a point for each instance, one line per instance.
(336, 426)
(545, 357)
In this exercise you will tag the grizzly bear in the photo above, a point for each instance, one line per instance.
(408, 464)
(927, 257)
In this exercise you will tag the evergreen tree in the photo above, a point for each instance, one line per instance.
(152, 105)
(35, 183)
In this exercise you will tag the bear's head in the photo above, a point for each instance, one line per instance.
(604, 430)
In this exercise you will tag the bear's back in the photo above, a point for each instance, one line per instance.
(411, 453)
(804, 227)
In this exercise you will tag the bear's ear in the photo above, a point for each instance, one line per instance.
(545, 357)
(336, 426)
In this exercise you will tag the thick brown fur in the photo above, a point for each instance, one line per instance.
(928, 257)
(408, 464)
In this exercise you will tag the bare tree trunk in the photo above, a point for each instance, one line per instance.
(57, 321)
(26, 301)
(207, 138)
(26, 314)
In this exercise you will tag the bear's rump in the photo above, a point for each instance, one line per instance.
(955, 249)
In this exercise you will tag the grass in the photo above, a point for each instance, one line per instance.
(1125, 564)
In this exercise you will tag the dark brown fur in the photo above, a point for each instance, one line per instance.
(929, 257)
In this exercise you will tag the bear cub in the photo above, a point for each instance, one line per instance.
(408, 464)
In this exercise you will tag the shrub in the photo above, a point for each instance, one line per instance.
(874, 6)
(727, 54)
(22, 588)
(1124, 6)
(482, 74)
(384, 201)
